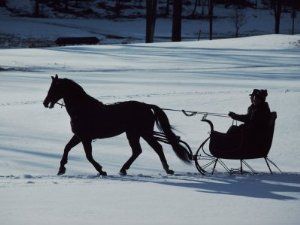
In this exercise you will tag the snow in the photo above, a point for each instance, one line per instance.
(212, 76)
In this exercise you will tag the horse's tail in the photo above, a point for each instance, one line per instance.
(163, 124)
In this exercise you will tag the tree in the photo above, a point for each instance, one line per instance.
(2, 3)
(37, 8)
(203, 3)
(277, 7)
(195, 8)
(210, 15)
(76, 3)
(199, 3)
(167, 8)
(118, 8)
(66, 5)
(140, 3)
(239, 18)
(176, 24)
(151, 6)
(293, 14)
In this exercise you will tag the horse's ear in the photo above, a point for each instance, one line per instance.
(54, 78)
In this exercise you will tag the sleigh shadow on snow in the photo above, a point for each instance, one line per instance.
(285, 186)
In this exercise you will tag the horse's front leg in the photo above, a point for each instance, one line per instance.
(72, 143)
(87, 145)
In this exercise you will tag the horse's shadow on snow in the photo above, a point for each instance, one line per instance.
(277, 186)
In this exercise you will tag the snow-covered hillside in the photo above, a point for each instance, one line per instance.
(212, 76)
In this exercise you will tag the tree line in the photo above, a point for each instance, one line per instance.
(176, 7)
(239, 18)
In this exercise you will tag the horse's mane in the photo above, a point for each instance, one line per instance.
(73, 86)
(78, 90)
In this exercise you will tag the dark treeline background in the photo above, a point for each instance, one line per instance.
(176, 10)
(137, 8)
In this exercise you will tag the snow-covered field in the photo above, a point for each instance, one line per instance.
(212, 76)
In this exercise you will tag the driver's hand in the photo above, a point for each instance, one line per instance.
(232, 115)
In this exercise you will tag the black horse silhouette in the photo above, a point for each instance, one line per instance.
(91, 119)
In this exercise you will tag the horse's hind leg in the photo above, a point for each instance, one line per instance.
(87, 145)
(72, 143)
(134, 142)
(150, 139)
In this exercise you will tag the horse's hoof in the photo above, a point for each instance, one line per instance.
(123, 172)
(171, 172)
(103, 173)
(61, 171)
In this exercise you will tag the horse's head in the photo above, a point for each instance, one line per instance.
(55, 92)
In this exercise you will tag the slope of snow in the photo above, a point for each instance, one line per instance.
(212, 76)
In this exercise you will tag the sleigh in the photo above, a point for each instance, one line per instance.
(221, 147)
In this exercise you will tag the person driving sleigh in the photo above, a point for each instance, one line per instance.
(255, 122)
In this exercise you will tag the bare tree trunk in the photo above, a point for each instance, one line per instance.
(176, 25)
(239, 19)
(3, 3)
(277, 13)
(37, 8)
(293, 17)
(203, 2)
(118, 8)
(150, 20)
(66, 5)
(236, 21)
(56, 4)
(211, 15)
(117, 3)
(168, 8)
(195, 8)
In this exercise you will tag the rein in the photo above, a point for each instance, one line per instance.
(61, 104)
(193, 113)
(185, 112)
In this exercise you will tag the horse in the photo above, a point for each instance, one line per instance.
(91, 119)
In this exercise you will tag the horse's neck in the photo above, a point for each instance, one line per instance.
(74, 104)
(79, 104)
